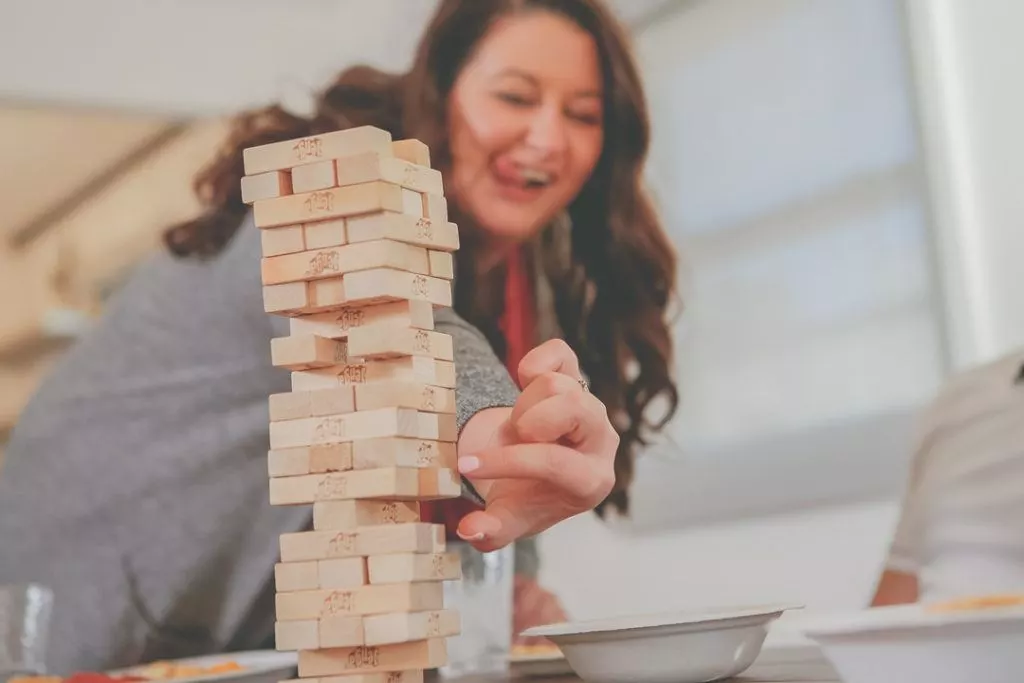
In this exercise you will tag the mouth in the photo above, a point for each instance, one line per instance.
(533, 178)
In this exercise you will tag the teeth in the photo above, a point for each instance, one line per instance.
(534, 176)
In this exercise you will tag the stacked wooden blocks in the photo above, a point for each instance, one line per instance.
(357, 253)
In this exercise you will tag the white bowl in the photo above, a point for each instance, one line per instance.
(695, 647)
(901, 644)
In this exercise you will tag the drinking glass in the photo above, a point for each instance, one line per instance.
(483, 598)
(25, 611)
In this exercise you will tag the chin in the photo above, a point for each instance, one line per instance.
(512, 230)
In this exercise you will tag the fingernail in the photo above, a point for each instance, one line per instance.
(479, 536)
(468, 463)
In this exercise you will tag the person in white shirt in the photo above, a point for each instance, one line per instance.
(961, 532)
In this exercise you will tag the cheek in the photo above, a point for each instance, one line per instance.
(586, 150)
(482, 129)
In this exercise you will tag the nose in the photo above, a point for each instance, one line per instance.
(547, 131)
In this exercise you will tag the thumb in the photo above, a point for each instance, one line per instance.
(493, 528)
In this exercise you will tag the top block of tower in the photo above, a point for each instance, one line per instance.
(276, 156)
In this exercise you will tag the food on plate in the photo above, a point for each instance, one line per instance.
(978, 603)
(154, 671)
(535, 649)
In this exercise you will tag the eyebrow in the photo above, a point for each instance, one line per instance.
(519, 73)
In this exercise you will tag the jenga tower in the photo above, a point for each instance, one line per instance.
(357, 253)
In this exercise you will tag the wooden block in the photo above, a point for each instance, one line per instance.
(315, 176)
(440, 373)
(341, 572)
(336, 325)
(347, 515)
(307, 352)
(413, 676)
(386, 629)
(441, 236)
(383, 539)
(385, 284)
(340, 631)
(289, 405)
(292, 296)
(327, 402)
(412, 203)
(370, 424)
(440, 483)
(297, 462)
(435, 426)
(399, 394)
(266, 186)
(336, 202)
(287, 240)
(381, 483)
(412, 567)
(442, 264)
(365, 168)
(296, 576)
(422, 654)
(297, 635)
(363, 600)
(313, 148)
(296, 405)
(315, 380)
(435, 207)
(334, 261)
(322, 234)
(395, 342)
(413, 151)
(396, 452)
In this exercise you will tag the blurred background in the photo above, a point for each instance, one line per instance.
(841, 178)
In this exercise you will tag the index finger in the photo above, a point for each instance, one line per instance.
(551, 356)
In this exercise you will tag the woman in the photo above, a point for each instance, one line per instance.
(514, 99)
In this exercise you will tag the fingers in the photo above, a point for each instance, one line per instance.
(551, 356)
(578, 418)
(541, 387)
(493, 528)
(569, 470)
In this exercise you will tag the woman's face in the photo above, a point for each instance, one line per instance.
(525, 123)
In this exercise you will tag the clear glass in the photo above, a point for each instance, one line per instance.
(483, 598)
(24, 626)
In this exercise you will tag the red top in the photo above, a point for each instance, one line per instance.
(517, 323)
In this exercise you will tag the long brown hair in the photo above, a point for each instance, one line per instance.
(610, 300)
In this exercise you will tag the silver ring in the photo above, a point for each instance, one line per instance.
(583, 383)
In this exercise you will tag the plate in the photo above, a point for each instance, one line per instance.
(538, 661)
(255, 666)
(921, 643)
(675, 647)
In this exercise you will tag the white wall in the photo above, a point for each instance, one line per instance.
(969, 62)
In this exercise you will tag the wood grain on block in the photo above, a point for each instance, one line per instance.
(336, 202)
(436, 426)
(296, 405)
(296, 462)
(347, 515)
(369, 424)
(315, 176)
(435, 207)
(381, 483)
(321, 234)
(315, 380)
(440, 483)
(297, 576)
(340, 631)
(399, 394)
(342, 572)
(421, 654)
(442, 264)
(385, 629)
(382, 341)
(382, 539)
(440, 373)
(411, 567)
(396, 452)
(288, 153)
(415, 676)
(413, 151)
(287, 240)
(363, 600)
(412, 203)
(266, 186)
(307, 352)
(365, 168)
(335, 261)
(387, 284)
(327, 402)
(286, 299)
(298, 635)
(441, 236)
(336, 325)
(289, 405)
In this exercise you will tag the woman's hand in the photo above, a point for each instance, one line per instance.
(548, 458)
(533, 606)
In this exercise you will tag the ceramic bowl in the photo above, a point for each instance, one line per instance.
(690, 647)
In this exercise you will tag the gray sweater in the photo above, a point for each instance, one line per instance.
(135, 483)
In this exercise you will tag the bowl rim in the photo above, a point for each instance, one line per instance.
(713, 616)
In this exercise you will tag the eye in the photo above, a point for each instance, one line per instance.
(516, 99)
(588, 118)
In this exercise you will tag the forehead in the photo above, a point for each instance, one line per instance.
(546, 46)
